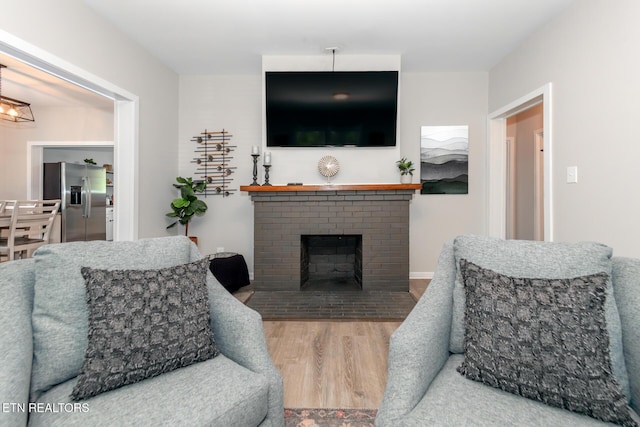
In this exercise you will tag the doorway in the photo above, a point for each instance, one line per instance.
(125, 144)
(525, 175)
(498, 172)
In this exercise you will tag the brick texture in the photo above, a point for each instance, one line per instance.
(380, 217)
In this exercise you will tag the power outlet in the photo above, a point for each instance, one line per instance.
(572, 174)
(219, 250)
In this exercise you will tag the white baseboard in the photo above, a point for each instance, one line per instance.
(421, 275)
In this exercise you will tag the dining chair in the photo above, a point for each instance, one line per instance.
(29, 226)
(6, 206)
(6, 210)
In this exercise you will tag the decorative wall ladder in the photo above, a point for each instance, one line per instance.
(213, 157)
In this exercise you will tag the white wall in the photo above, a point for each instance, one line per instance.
(430, 99)
(52, 124)
(235, 103)
(590, 54)
(214, 103)
(69, 30)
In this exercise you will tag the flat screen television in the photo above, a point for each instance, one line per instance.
(331, 108)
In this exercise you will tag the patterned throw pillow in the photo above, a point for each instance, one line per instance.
(543, 339)
(143, 323)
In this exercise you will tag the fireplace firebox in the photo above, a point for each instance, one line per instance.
(331, 262)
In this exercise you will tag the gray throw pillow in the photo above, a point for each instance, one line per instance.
(543, 339)
(544, 260)
(143, 323)
(59, 318)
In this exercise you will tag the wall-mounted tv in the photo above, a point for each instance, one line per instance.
(331, 108)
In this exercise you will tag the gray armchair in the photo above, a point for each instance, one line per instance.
(241, 386)
(423, 385)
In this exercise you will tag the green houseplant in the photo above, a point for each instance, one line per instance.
(406, 169)
(188, 204)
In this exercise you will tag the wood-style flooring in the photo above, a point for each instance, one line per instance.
(333, 364)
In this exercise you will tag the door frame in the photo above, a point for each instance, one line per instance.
(538, 185)
(496, 214)
(126, 114)
(510, 187)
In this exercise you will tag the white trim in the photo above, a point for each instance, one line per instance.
(125, 127)
(496, 168)
(510, 176)
(125, 155)
(538, 186)
(421, 275)
(496, 161)
(49, 63)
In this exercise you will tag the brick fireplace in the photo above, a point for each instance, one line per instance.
(374, 216)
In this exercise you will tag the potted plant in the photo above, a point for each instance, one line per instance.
(406, 170)
(188, 204)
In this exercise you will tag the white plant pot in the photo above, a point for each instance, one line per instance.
(406, 179)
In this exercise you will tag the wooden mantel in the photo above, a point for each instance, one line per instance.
(330, 187)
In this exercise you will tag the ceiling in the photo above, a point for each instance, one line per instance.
(230, 36)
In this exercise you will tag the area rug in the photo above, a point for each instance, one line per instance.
(329, 417)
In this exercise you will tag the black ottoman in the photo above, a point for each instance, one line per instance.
(230, 269)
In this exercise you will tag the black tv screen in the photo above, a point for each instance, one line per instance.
(331, 108)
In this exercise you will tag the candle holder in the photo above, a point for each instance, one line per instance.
(266, 175)
(255, 169)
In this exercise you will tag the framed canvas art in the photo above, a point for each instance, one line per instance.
(444, 159)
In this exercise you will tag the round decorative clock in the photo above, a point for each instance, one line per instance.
(328, 167)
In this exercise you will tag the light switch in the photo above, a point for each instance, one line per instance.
(572, 174)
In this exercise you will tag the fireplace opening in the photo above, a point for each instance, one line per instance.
(331, 262)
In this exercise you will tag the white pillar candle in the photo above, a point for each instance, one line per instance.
(267, 158)
(255, 150)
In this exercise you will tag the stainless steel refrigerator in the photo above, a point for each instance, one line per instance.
(83, 191)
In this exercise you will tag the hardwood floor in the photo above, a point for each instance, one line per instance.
(331, 364)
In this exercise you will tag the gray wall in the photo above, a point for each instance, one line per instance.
(70, 31)
(235, 103)
(52, 124)
(590, 54)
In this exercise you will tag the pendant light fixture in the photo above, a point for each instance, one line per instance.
(339, 95)
(14, 110)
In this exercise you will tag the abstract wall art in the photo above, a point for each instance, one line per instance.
(444, 159)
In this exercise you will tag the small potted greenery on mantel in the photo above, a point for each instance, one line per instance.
(188, 204)
(406, 170)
